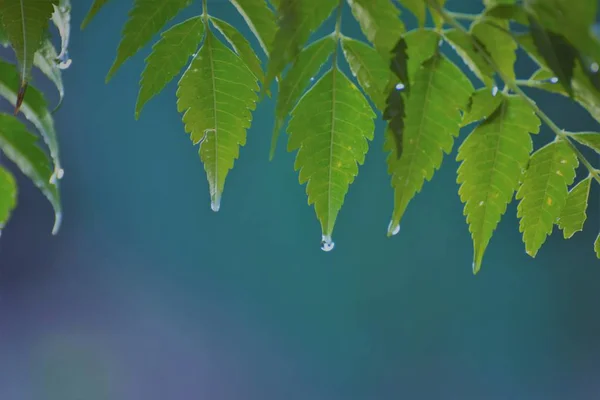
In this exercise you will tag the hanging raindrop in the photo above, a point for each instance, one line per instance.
(393, 230)
(327, 244)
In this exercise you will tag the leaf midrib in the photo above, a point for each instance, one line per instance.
(213, 82)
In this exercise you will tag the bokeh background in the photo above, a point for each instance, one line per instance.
(148, 294)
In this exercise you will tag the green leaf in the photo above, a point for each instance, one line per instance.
(557, 53)
(240, 46)
(25, 23)
(500, 45)
(169, 55)
(544, 191)
(260, 20)
(421, 45)
(330, 127)
(45, 60)
(493, 157)
(380, 22)
(597, 246)
(590, 139)
(482, 104)
(507, 11)
(439, 91)
(573, 215)
(369, 68)
(8, 196)
(438, 20)
(34, 108)
(417, 7)
(394, 111)
(145, 20)
(62, 19)
(308, 64)
(21, 148)
(216, 96)
(464, 46)
(297, 20)
(96, 6)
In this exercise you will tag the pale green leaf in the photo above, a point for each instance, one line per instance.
(241, 46)
(371, 71)
(499, 44)
(597, 246)
(493, 157)
(145, 20)
(573, 215)
(297, 20)
(34, 108)
(307, 66)
(169, 55)
(216, 96)
(25, 23)
(260, 20)
(380, 22)
(21, 148)
(438, 20)
(330, 127)
(417, 7)
(62, 19)
(482, 104)
(544, 191)
(464, 46)
(45, 59)
(439, 91)
(590, 139)
(96, 6)
(8, 196)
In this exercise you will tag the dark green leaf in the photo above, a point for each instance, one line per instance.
(96, 6)
(8, 196)
(145, 20)
(21, 148)
(260, 20)
(573, 215)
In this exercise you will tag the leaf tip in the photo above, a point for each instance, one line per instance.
(215, 203)
(58, 216)
(21, 96)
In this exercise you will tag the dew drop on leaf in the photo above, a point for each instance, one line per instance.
(554, 80)
(400, 86)
(215, 205)
(594, 68)
(494, 91)
(327, 244)
(393, 230)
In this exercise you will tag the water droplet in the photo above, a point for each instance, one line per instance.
(494, 90)
(312, 78)
(400, 86)
(393, 230)
(481, 203)
(554, 80)
(563, 161)
(215, 205)
(327, 244)
(57, 175)
(440, 43)
(594, 67)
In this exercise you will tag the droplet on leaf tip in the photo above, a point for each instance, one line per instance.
(554, 80)
(326, 243)
(215, 205)
(393, 230)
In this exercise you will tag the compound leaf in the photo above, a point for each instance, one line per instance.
(216, 96)
(169, 55)
(330, 127)
(439, 91)
(544, 191)
(573, 215)
(493, 157)
(145, 20)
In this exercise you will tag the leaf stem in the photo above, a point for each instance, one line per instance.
(512, 85)
(337, 33)
(463, 16)
(205, 10)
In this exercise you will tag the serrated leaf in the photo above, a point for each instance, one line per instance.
(558, 54)
(145, 20)
(421, 44)
(96, 6)
(380, 21)
(34, 108)
(216, 96)
(464, 46)
(493, 157)
(417, 7)
(25, 23)
(8, 196)
(590, 139)
(543, 193)
(500, 45)
(573, 215)
(45, 60)
(62, 20)
(296, 21)
(21, 148)
(260, 20)
(308, 64)
(482, 104)
(169, 55)
(330, 127)
(369, 68)
(240, 46)
(439, 91)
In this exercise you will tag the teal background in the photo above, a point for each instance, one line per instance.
(148, 294)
